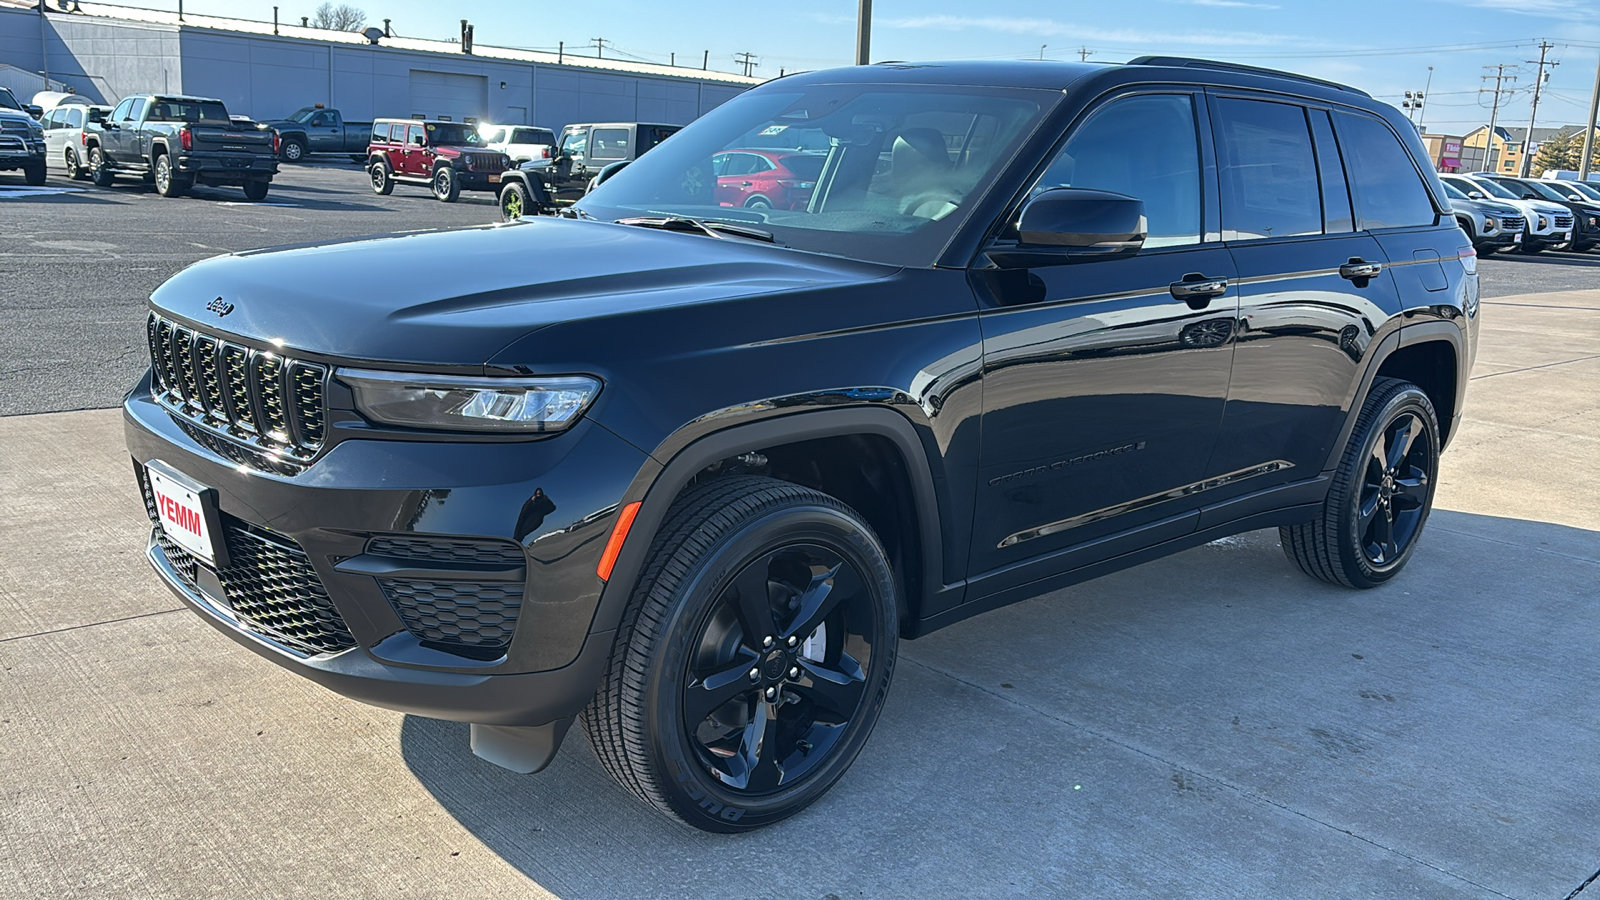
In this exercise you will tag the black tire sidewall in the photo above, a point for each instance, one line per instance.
(97, 168)
(521, 192)
(693, 794)
(383, 187)
(1408, 399)
(444, 174)
(290, 153)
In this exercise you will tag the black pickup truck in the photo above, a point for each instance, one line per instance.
(177, 141)
(318, 129)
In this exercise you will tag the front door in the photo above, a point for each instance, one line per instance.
(1102, 389)
(415, 155)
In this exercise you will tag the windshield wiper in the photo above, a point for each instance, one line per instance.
(708, 227)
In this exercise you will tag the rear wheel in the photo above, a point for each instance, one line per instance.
(515, 202)
(256, 190)
(382, 176)
(98, 167)
(1381, 494)
(75, 168)
(754, 657)
(168, 182)
(758, 202)
(445, 184)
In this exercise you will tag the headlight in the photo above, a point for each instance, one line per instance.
(455, 403)
(1543, 223)
(1489, 224)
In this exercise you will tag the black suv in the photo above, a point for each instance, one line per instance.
(689, 471)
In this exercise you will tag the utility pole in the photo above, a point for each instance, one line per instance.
(1588, 134)
(1538, 82)
(1084, 53)
(599, 47)
(864, 33)
(746, 59)
(44, 45)
(1494, 111)
(1423, 116)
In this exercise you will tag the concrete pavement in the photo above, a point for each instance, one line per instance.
(1210, 725)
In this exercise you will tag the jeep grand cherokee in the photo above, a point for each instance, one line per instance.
(687, 471)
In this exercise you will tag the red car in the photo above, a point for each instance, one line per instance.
(766, 179)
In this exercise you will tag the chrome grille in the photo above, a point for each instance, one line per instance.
(255, 397)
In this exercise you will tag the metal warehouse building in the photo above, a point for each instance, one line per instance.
(266, 71)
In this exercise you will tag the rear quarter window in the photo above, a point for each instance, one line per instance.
(1389, 192)
(380, 132)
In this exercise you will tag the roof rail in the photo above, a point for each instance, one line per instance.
(1185, 62)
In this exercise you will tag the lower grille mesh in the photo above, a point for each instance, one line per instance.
(269, 584)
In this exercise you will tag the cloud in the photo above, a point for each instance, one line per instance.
(1122, 36)
(1565, 10)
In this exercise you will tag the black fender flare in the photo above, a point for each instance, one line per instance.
(534, 186)
(656, 486)
(1408, 335)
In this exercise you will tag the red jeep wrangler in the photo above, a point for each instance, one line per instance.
(449, 157)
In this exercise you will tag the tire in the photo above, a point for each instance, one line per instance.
(1488, 250)
(1528, 249)
(515, 202)
(446, 186)
(382, 177)
(292, 151)
(682, 636)
(256, 191)
(758, 202)
(98, 168)
(1387, 475)
(168, 182)
(35, 174)
(75, 169)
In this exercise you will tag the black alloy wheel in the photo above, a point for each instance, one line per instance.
(770, 688)
(382, 178)
(446, 186)
(1381, 494)
(754, 656)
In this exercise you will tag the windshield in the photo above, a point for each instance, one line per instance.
(8, 99)
(891, 171)
(1453, 192)
(302, 114)
(1545, 191)
(453, 134)
(1587, 190)
(1494, 189)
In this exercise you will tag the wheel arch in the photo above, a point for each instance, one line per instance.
(1427, 354)
(870, 458)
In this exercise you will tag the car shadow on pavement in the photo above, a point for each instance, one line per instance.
(1161, 725)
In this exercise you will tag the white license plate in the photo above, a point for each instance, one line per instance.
(183, 512)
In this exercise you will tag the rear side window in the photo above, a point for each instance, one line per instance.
(610, 143)
(1389, 192)
(380, 132)
(1269, 171)
(1143, 146)
(75, 117)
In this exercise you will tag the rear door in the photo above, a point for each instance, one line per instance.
(1102, 390)
(1312, 290)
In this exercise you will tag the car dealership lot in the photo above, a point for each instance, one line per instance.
(1213, 724)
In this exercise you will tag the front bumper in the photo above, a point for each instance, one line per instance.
(478, 181)
(424, 490)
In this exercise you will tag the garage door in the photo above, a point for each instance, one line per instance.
(436, 94)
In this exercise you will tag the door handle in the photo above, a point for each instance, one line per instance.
(1197, 290)
(746, 183)
(1359, 269)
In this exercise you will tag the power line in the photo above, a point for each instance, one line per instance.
(1500, 77)
(1533, 114)
(746, 59)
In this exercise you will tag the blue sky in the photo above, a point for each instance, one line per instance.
(1382, 46)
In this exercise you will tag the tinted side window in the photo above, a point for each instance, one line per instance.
(1143, 147)
(1389, 192)
(413, 132)
(1269, 171)
(121, 113)
(1337, 213)
(52, 119)
(380, 132)
(75, 117)
(610, 143)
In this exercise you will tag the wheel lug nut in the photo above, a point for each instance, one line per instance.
(772, 693)
(794, 672)
(766, 641)
(793, 640)
(755, 674)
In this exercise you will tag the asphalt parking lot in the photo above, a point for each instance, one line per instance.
(1210, 725)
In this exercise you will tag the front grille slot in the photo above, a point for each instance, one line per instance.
(448, 549)
(270, 585)
(261, 399)
(469, 618)
(1563, 222)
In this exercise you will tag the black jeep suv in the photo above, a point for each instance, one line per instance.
(688, 471)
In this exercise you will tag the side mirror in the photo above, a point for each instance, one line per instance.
(33, 110)
(1065, 225)
(1474, 195)
(419, 140)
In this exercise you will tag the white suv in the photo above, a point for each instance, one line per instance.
(1543, 229)
(520, 142)
(63, 136)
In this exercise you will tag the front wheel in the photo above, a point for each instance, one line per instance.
(293, 151)
(446, 186)
(35, 174)
(515, 202)
(1381, 494)
(754, 657)
(256, 191)
(1529, 249)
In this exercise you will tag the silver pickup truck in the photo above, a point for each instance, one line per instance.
(178, 141)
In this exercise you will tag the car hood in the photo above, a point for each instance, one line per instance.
(454, 298)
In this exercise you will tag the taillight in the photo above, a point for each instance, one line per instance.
(277, 141)
(185, 139)
(83, 138)
(547, 152)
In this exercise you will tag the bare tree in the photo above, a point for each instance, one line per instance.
(343, 17)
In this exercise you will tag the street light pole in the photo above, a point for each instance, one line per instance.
(1423, 116)
(864, 34)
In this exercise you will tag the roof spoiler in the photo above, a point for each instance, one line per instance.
(1185, 62)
